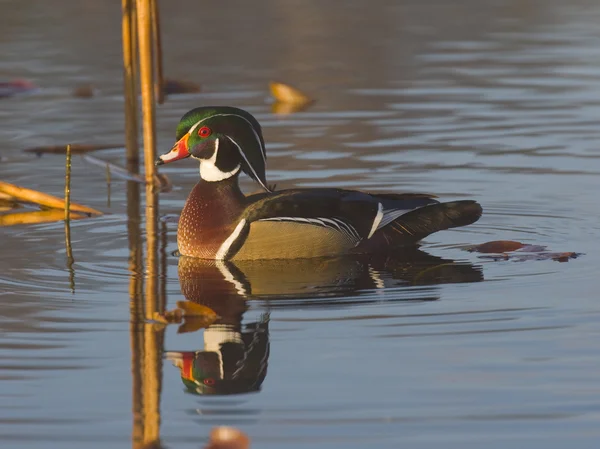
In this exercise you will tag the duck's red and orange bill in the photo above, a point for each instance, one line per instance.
(179, 151)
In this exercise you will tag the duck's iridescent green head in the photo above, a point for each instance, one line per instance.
(225, 140)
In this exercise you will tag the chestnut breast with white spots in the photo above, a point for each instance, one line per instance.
(209, 216)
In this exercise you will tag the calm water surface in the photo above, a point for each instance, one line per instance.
(493, 100)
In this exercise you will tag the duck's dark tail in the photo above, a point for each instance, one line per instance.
(419, 223)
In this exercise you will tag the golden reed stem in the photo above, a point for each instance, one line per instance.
(43, 199)
(157, 43)
(129, 27)
(144, 15)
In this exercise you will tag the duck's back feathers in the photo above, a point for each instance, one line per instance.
(419, 223)
(319, 222)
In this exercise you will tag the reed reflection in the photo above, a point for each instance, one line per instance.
(146, 339)
(234, 355)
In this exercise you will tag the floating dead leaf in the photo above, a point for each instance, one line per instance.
(519, 256)
(519, 252)
(75, 149)
(194, 309)
(171, 86)
(225, 437)
(193, 316)
(497, 246)
(284, 93)
(43, 199)
(83, 91)
(564, 257)
(36, 216)
(174, 316)
(280, 108)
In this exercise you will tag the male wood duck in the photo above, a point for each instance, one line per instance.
(219, 222)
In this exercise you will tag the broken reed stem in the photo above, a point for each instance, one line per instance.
(144, 15)
(108, 184)
(69, 249)
(43, 199)
(130, 74)
(157, 41)
(68, 184)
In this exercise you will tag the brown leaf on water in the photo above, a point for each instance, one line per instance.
(497, 246)
(75, 149)
(193, 316)
(287, 94)
(224, 437)
(171, 86)
(280, 108)
(83, 91)
(43, 199)
(194, 309)
(519, 252)
(564, 257)
(36, 216)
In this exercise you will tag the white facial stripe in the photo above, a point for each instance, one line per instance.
(249, 164)
(377, 220)
(224, 249)
(209, 170)
(262, 148)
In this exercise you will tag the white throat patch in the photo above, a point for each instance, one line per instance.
(210, 172)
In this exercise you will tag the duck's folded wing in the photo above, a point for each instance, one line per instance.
(309, 223)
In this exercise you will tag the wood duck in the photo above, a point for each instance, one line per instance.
(219, 222)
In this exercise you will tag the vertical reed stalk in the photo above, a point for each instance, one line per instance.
(144, 15)
(69, 249)
(153, 338)
(136, 310)
(108, 185)
(164, 266)
(129, 28)
(68, 185)
(157, 44)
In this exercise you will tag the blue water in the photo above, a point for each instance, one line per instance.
(495, 101)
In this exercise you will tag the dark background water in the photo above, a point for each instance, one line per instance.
(493, 100)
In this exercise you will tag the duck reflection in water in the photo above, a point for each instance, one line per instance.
(235, 355)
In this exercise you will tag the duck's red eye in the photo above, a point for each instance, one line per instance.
(204, 131)
(210, 382)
